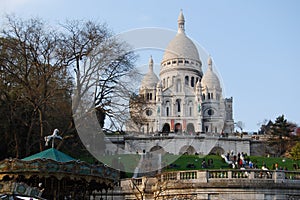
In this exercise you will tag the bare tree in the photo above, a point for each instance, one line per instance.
(102, 66)
(137, 108)
(139, 186)
(240, 125)
(28, 59)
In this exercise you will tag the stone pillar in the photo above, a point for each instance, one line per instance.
(202, 176)
(279, 177)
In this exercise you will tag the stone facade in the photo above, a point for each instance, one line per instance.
(182, 100)
(212, 185)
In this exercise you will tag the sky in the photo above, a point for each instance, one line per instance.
(255, 44)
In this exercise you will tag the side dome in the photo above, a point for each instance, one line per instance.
(181, 46)
(210, 80)
(150, 80)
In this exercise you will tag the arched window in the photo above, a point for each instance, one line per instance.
(192, 81)
(167, 108)
(178, 105)
(186, 80)
(203, 97)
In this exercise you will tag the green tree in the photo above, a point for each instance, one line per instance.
(295, 152)
(281, 140)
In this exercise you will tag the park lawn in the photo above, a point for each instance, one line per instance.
(185, 161)
(271, 161)
(129, 161)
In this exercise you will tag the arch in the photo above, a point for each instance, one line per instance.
(190, 129)
(217, 151)
(166, 128)
(187, 149)
(178, 128)
(157, 149)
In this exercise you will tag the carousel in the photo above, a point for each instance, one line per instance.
(52, 174)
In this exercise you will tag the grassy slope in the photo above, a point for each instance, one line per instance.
(218, 163)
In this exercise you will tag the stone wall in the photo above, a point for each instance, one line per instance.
(214, 184)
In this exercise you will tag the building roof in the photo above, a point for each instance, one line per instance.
(181, 46)
(51, 154)
(210, 79)
(150, 80)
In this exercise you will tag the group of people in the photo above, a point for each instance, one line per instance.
(238, 160)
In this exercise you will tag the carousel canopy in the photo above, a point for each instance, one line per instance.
(51, 154)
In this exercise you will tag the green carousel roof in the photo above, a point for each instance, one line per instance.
(51, 154)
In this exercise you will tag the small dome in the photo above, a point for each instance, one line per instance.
(150, 80)
(181, 46)
(210, 79)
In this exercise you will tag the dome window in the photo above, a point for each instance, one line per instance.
(174, 62)
(180, 61)
(186, 62)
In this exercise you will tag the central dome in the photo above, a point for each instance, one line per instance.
(181, 46)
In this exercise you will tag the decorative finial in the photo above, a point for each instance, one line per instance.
(52, 137)
(151, 63)
(181, 22)
(209, 63)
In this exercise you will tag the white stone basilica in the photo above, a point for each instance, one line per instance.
(183, 100)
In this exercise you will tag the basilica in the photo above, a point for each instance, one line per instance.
(182, 100)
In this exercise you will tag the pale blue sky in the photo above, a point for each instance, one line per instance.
(255, 44)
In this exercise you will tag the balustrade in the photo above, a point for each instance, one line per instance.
(229, 174)
(188, 175)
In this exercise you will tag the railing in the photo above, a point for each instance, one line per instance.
(187, 175)
(215, 175)
(292, 175)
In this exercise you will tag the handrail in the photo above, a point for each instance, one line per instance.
(229, 174)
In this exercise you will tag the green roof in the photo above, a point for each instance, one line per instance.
(52, 154)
